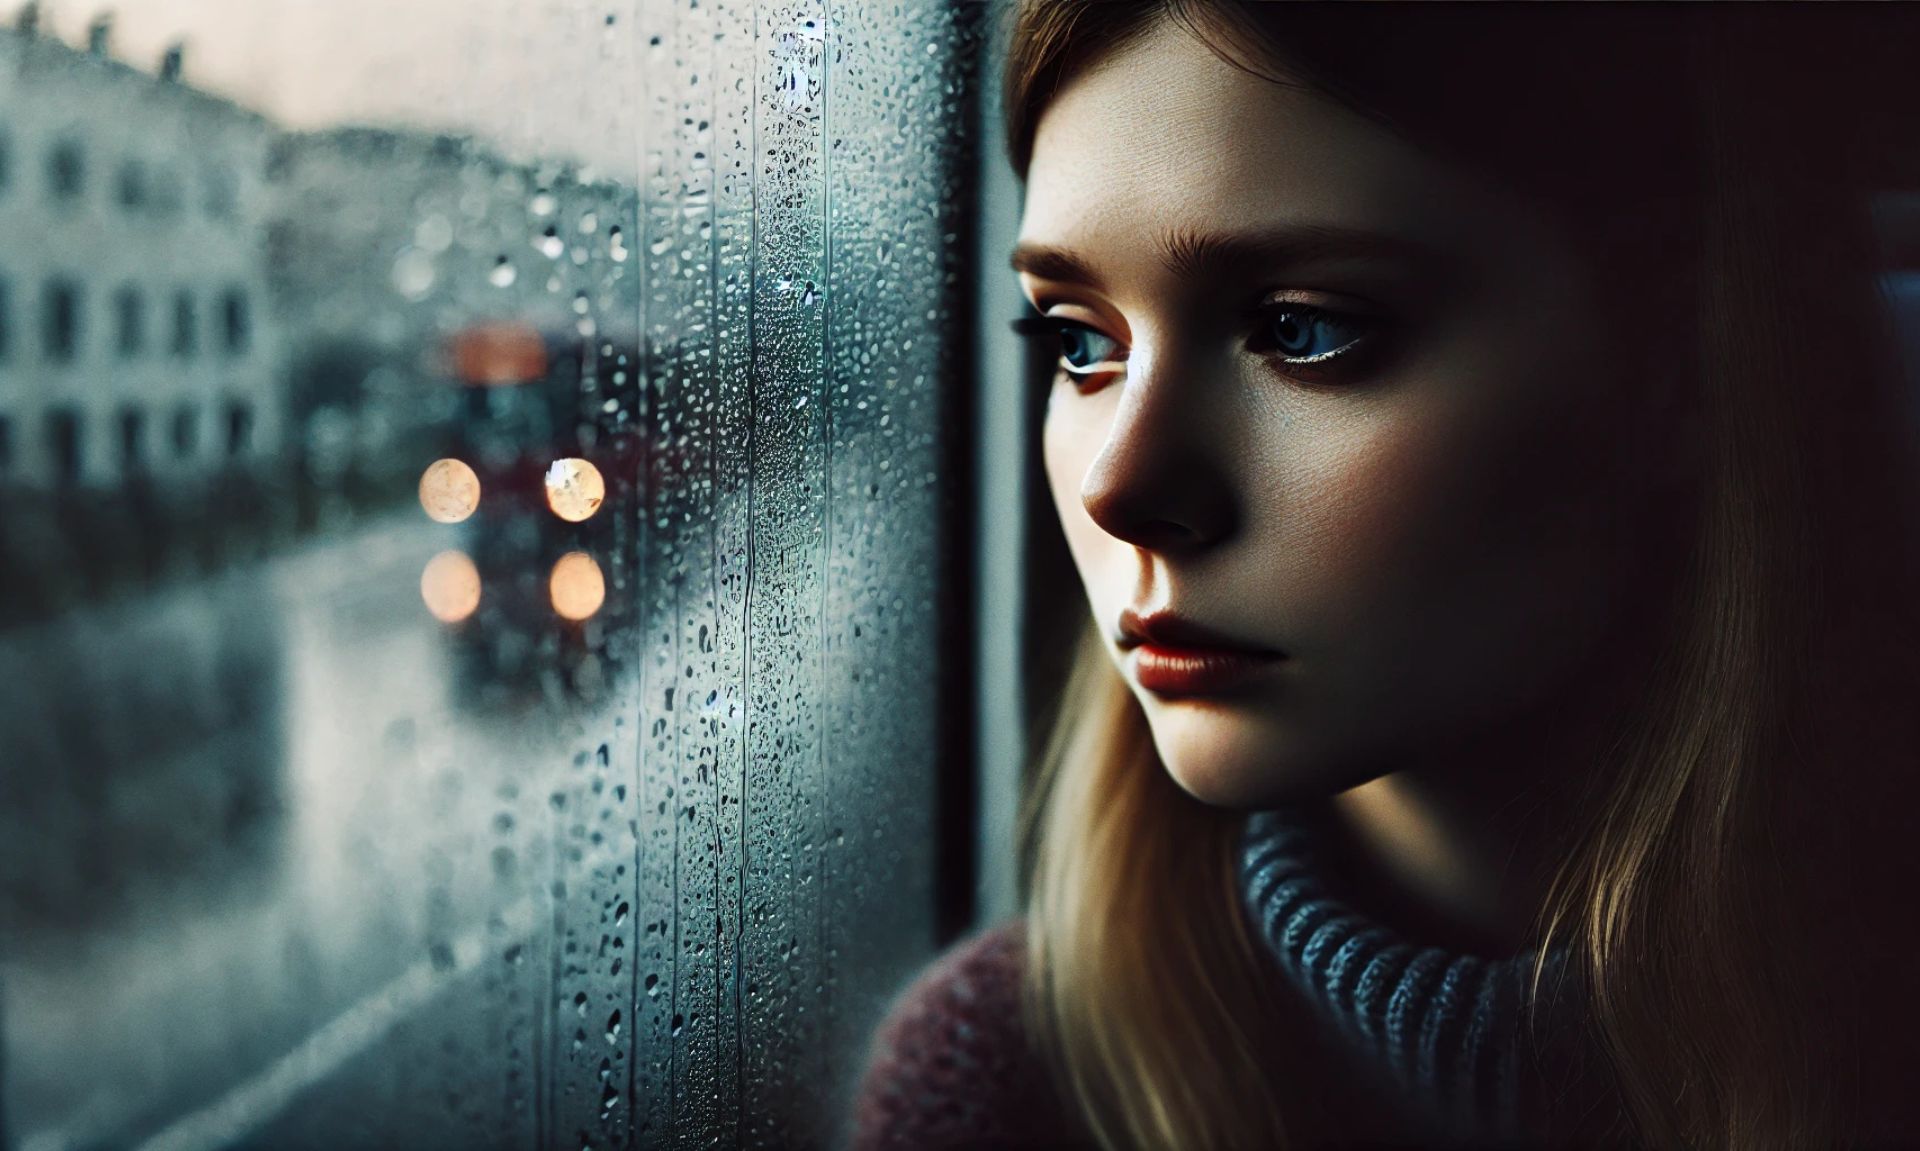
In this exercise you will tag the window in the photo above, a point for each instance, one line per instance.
(130, 321)
(66, 169)
(239, 429)
(62, 320)
(6, 447)
(234, 320)
(186, 431)
(186, 328)
(6, 319)
(133, 441)
(518, 830)
(65, 445)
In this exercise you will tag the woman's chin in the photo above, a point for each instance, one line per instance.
(1225, 762)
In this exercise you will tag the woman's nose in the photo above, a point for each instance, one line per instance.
(1163, 479)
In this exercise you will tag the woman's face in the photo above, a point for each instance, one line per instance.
(1327, 441)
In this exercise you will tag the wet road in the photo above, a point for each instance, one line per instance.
(271, 832)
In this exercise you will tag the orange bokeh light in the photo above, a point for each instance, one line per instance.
(576, 586)
(450, 585)
(449, 491)
(575, 489)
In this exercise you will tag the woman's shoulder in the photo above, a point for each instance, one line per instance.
(952, 1064)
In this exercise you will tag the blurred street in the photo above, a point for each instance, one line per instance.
(268, 823)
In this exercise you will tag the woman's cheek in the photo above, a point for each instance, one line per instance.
(1365, 505)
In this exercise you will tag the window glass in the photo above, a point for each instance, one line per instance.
(502, 693)
(66, 169)
(133, 440)
(130, 321)
(62, 320)
(186, 330)
(234, 320)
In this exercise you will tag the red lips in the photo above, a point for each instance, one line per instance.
(1172, 656)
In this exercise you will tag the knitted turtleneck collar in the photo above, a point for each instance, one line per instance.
(1447, 1028)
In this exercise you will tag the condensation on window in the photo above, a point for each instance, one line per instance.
(475, 540)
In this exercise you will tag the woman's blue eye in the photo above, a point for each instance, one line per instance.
(1308, 334)
(1082, 348)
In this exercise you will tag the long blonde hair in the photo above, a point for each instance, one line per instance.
(1788, 647)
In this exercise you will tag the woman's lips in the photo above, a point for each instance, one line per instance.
(1196, 671)
(1170, 655)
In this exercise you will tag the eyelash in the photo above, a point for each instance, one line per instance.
(1311, 369)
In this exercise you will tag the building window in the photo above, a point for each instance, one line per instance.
(186, 431)
(131, 189)
(186, 333)
(64, 444)
(67, 169)
(130, 321)
(6, 447)
(133, 441)
(62, 320)
(234, 320)
(239, 429)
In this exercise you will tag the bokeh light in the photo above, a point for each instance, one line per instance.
(576, 586)
(450, 585)
(575, 489)
(449, 491)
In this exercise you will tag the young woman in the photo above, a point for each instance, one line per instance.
(1474, 437)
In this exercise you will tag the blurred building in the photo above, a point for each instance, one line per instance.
(134, 336)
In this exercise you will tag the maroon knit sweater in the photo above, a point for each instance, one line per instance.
(951, 1066)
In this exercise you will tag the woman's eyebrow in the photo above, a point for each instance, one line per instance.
(1189, 253)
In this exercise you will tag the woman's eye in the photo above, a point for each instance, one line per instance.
(1300, 334)
(1082, 349)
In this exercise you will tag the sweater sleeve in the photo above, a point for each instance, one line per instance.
(951, 1065)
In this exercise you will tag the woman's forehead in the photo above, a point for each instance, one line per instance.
(1164, 143)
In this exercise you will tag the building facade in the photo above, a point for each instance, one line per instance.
(135, 340)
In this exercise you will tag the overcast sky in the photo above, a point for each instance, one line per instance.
(537, 77)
